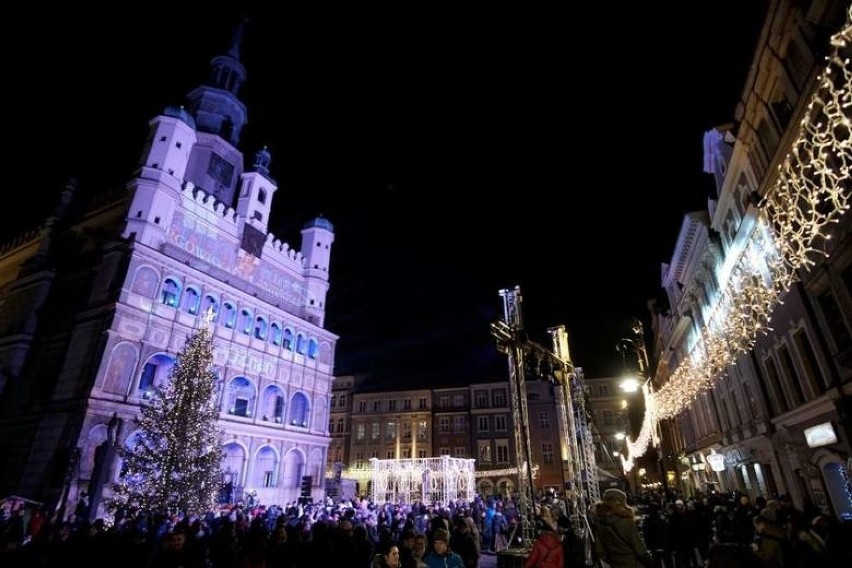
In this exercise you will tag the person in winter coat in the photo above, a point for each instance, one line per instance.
(617, 540)
(547, 549)
(441, 556)
(773, 547)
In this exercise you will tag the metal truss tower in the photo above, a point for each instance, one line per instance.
(576, 445)
(511, 340)
(581, 466)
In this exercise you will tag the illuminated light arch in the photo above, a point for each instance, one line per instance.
(428, 480)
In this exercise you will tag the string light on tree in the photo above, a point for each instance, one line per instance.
(174, 464)
(791, 230)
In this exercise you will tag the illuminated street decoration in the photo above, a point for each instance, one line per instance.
(507, 472)
(716, 461)
(428, 480)
(788, 234)
(647, 433)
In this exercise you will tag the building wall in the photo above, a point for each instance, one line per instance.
(96, 308)
(468, 422)
(795, 375)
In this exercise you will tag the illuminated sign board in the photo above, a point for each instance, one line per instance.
(820, 435)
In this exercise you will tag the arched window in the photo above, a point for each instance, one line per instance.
(299, 411)
(260, 328)
(265, 466)
(313, 348)
(245, 323)
(287, 343)
(325, 353)
(190, 300)
(229, 315)
(154, 373)
(301, 344)
(272, 404)
(294, 466)
(171, 292)
(275, 334)
(145, 282)
(119, 372)
(240, 397)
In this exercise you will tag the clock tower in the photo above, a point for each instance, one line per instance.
(216, 164)
(215, 105)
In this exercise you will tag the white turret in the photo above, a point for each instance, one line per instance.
(256, 192)
(317, 237)
(156, 189)
(172, 136)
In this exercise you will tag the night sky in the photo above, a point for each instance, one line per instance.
(456, 153)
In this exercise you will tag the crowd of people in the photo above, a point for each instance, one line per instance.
(667, 532)
(718, 531)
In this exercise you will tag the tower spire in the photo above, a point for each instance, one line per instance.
(215, 105)
(237, 40)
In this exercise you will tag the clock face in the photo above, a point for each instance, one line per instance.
(220, 169)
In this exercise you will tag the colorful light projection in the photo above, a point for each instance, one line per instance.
(203, 242)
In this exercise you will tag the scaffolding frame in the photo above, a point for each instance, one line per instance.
(576, 444)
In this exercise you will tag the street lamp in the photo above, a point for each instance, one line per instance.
(630, 384)
(648, 433)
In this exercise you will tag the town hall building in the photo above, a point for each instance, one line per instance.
(96, 304)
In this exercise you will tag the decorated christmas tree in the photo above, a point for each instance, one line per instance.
(174, 464)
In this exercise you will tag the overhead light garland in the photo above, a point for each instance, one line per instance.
(647, 433)
(792, 226)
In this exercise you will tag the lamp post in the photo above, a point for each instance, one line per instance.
(636, 345)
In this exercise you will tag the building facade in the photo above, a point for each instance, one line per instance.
(607, 406)
(493, 439)
(340, 424)
(470, 422)
(778, 410)
(388, 425)
(96, 305)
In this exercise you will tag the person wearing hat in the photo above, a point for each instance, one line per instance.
(617, 540)
(441, 556)
(773, 545)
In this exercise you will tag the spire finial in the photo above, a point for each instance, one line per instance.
(237, 40)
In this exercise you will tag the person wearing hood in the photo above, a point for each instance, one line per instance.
(547, 549)
(617, 540)
(441, 556)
